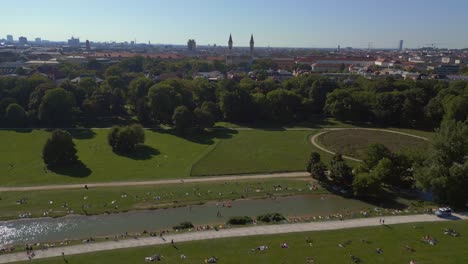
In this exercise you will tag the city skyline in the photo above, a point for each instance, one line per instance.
(298, 23)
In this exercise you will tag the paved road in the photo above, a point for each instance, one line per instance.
(159, 182)
(235, 232)
(313, 139)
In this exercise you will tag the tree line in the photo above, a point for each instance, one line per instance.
(128, 92)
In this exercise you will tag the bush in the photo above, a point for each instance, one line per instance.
(272, 217)
(183, 225)
(240, 220)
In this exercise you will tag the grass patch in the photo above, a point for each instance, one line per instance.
(101, 200)
(354, 143)
(163, 156)
(254, 151)
(392, 240)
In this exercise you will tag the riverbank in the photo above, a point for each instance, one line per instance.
(391, 243)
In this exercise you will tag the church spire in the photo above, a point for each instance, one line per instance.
(252, 43)
(230, 42)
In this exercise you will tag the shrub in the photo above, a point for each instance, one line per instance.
(240, 220)
(183, 225)
(272, 217)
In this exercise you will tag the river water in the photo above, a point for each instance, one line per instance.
(77, 227)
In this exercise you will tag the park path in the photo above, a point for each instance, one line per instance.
(313, 139)
(225, 233)
(159, 182)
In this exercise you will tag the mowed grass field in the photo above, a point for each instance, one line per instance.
(100, 200)
(354, 142)
(324, 249)
(163, 156)
(252, 151)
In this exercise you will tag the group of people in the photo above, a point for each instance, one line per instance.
(429, 240)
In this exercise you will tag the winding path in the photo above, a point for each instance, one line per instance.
(313, 139)
(235, 232)
(158, 182)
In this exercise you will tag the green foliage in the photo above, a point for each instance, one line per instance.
(163, 99)
(316, 167)
(376, 152)
(236, 105)
(271, 217)
(445, 169)
(56, 106)
(183, 225)
(284, 104)
(182, 119)
(240, 220)
(366, 184)
(59, 150)
(15, 115)
(340, 172)
(125, 139)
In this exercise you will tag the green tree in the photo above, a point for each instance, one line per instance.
(182, 119)
(56, 106)
(163, 99)
(444, 170)
(366, 185)
(125, 139)
(340, 172)
(284, 104)
(376, 152)
(15, 115)
(59, 150)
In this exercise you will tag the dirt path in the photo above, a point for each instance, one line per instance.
(235, 232)
(313, 139)
(159, 182)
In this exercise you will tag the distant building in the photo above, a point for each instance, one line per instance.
(38, 41)
(400, 48)
(9, 38)
(23, 40)
(252, 46)
(447, 69)
(382, 62)
(191, 45)
(230, 43)
(210, 76)
(74, 42)
(88, 45)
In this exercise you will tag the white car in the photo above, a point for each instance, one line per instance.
(444, 211)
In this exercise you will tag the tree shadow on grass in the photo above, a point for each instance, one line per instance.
(205, 137)
(141, 152)
(78, 170)
(82, 133)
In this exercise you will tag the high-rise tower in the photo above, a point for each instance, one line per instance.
(252, 44)
(400, 48)
(230, 42)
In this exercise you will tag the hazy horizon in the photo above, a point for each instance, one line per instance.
(274, 23)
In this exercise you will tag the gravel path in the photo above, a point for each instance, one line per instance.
(159, 182)
(235, 232)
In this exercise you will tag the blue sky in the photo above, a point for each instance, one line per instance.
(276, 23)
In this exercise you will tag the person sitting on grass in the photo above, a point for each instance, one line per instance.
(379, 251)
(284, 245)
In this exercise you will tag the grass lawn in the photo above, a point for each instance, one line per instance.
(162, 156)
(392, 240)
(252, 151)
(355, 142)
(99, 200)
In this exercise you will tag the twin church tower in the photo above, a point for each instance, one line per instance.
(237, 59)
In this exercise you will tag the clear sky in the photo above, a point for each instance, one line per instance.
(276, 23)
